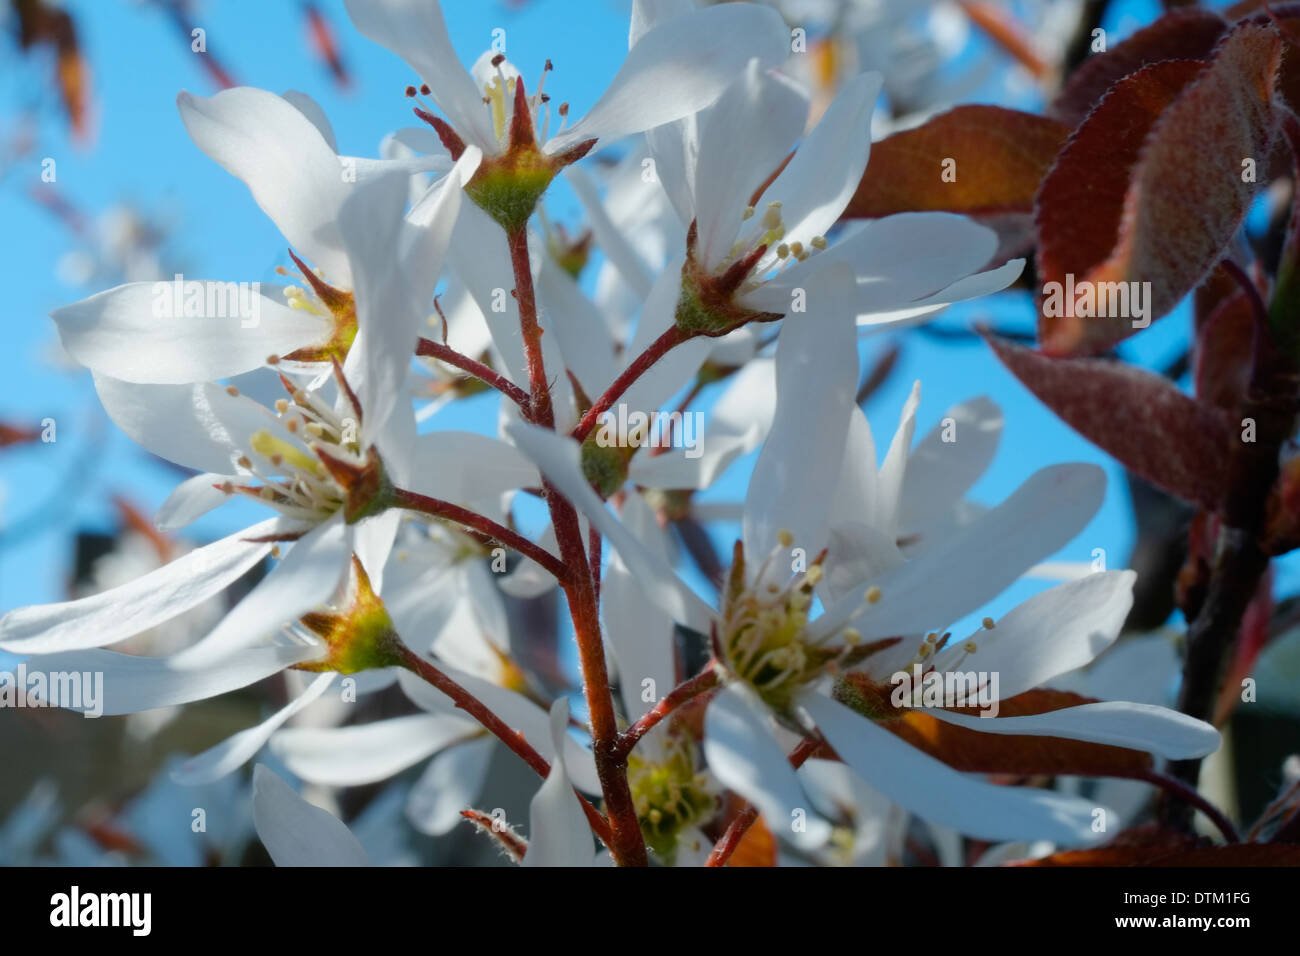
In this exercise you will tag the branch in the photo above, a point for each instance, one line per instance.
(437, 508)
(640, 365)
(686, 691)
(444, 353)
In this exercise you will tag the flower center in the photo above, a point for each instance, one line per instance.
(301, 476)
(765, 637)
(669, 794)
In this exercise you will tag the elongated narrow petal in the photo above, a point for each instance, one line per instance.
(980, 560)
(283, 159)
(1157, 730)
(233, 752)
(468, 468)
(816, 380)
(303, 579)
(939, 472)
(818, 182)
(748, 133)
(558, 832)
(124, 611)
(200, 426)
(132, 684)
(639, 632)
(678, 68)
(366, 753)
(743, 755)
(140, 332)
(191, 499)
(416, 31)
(1053, 632)
(450, 783)
(941, 795)
(294, 832)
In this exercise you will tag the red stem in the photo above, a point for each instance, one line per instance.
(437, 508)
(467, 702)
(688, 690)
(626, 845)
(653, 353)
(444, 353)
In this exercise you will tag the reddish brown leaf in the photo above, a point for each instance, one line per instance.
(1080, 206)
(1236, 854)
(1178, 35)
(1020, 755)
(1141, 419)
(1155, 234)
(1225, 349)
(1001, 155)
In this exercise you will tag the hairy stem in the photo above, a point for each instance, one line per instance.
(640, 365)
(705, 680)
(494, 532)
(448, 355)
(626, 845)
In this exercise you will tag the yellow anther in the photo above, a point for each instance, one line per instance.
(772, 216)
(232, 391)
(970, 647)
(267, 445)
(814, 574)
(873, 595)
(785, 537)
(852, 637)
(281, 405)
(988, 623)
(782, 251)
(749, 213)
(818, 242)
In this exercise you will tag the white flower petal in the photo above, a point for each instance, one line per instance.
(640, 634)
(117, 332)
(284, 160)
(366, 753)
(294, 832)
(940, 472)
(233, 752)
(133, 683)
(415, 31)
(558, 832)
(940, 795)
(1157, 730)
(190, 500)
(450, 783)
(743, 755)
(304, 577)
(124, 611)
(979, 561)
(517, 711)
(747, 135)
(816, 382)
(677, 68)
(1052, 632)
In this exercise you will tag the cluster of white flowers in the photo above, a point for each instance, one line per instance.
(387, 539)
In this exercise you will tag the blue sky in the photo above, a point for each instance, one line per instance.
(143, 154)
